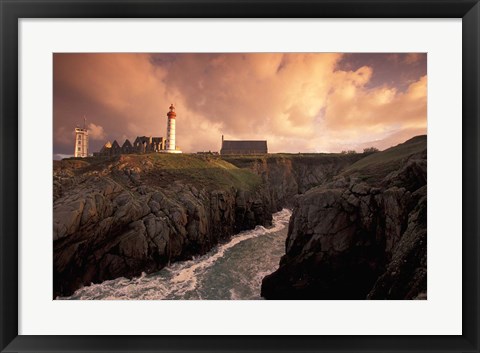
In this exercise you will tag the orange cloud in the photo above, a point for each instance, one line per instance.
(356, 113)
(96, 132)
(298, 102)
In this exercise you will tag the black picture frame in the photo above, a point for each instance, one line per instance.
(12, 11)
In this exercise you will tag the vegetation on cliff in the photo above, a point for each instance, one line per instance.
(358, 228)
(363, 235)
(136, 213)
(161, 169)
(287, 175)
(376, 166)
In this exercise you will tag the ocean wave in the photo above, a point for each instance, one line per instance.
(198, 278)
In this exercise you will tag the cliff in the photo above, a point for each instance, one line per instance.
(137, 213)
(287, 175)
(362, 235)
(129, 214)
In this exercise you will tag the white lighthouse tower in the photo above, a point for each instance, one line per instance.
(170, 146)
(81, 141)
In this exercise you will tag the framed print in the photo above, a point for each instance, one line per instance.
(232, 176)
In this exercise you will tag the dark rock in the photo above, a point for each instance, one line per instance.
(121, 217)
(359, 239)
(105, 228)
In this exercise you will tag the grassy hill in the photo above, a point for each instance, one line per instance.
(377, 165)
(244, 161)
(213, 172)
(158, 169)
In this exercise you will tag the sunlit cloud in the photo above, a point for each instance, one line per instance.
(96, 132)
(297, 102)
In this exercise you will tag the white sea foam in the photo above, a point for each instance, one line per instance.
(207, 275)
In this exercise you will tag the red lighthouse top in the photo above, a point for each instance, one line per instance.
(171, 114)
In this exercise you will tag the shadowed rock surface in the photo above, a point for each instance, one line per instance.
(133, 214)
(130, 214)
(362, 235)
(287, 175)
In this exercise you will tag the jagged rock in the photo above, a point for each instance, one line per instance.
(287, 177)
(108, 226)
(67, 218)
(406, 274)
(361, 240)
(125, 215)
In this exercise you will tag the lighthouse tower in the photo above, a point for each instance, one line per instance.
(81, 141)
(171, 129)
(170, 146)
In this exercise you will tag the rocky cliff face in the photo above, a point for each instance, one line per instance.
(137, 213)
(286, 176)
(126, 216)
(362, 235)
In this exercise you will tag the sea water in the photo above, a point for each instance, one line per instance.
(233, 270)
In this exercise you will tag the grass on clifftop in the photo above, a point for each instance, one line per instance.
(378, 165)
(162, 169)
(185, 161)
(200, 171)
(245, 161)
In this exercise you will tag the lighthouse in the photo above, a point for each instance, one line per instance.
(170, 146)
(81, 141)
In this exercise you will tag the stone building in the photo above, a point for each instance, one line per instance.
(116, 149)
(142, 144)
(145, 144)
(127, 147)
(243, 147)
(106, 150)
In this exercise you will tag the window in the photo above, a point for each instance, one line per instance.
(79, 149)
(79, 142)
(79, 137)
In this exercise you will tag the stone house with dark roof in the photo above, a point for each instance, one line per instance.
(243, 147)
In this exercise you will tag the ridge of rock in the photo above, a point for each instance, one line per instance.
(130, 214)
(362, 235)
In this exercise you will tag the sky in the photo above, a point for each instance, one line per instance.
(298, 102)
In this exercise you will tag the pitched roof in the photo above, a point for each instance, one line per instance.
(127, 143)
(244, 145)
(106, 147)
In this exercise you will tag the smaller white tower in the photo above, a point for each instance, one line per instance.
(81, 141)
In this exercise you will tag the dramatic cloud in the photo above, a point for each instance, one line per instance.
(96, 132)
(355, 114)
(298, 102)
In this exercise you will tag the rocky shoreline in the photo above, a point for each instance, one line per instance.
(361, 236)
(110, 223)
(348, 237)
(137, 213)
